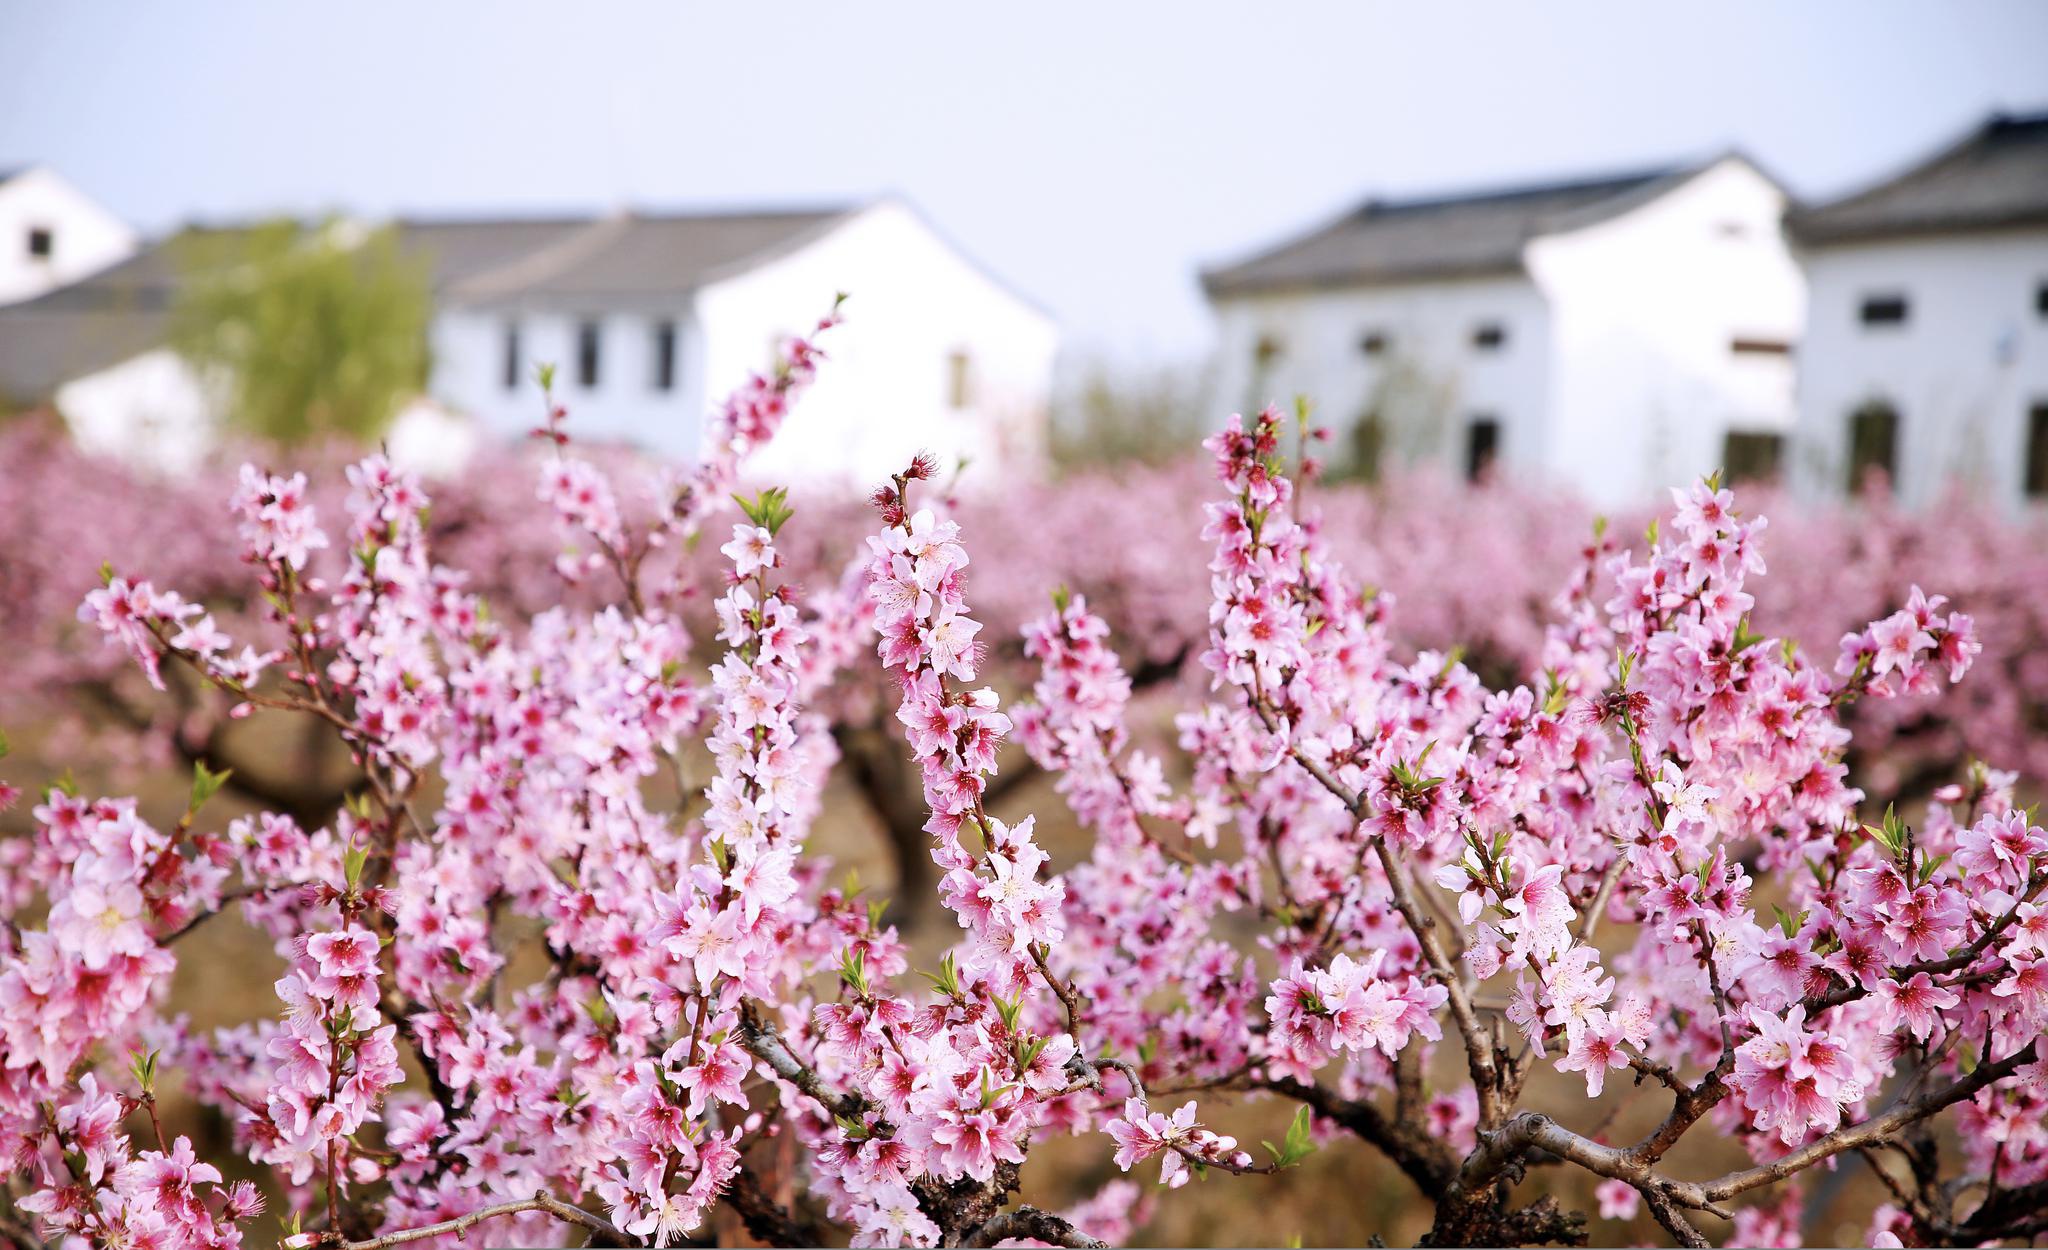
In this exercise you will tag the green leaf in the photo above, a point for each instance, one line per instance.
(206, 783)
(1297, 1145)
(853, 969)
(143, 1068)
(769, 509)
(352, 861)
(947, 979)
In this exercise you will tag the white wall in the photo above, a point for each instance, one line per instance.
(1962, 371)
(1646, 306)
(1430, 370)
(468, 347)
(84, 237)
(883, 394)
(150, 410)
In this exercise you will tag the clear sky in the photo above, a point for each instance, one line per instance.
(1094, 154)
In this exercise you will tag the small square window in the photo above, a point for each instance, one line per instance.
(42, 243)
(1267, 350)
(1884, 310)
(1489, 336)
(2041, 299)
(1374, 343)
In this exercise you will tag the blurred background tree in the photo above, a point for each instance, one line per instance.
(309, 330)
(1110, 415)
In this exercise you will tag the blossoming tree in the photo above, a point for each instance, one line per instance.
(1353, 865)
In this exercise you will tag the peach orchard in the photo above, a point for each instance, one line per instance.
(1649, 863)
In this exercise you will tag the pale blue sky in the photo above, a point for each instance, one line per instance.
(1094, 154)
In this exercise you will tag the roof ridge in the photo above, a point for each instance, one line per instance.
(1526, 190)
(1981, 152)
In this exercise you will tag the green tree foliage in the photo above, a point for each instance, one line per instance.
(1112, 416)
(310, 330)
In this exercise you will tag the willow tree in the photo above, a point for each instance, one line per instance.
(310, 330)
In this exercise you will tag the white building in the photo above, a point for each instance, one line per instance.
(52, 234)
(1613, 336)
(649, 319)
(1926, 354)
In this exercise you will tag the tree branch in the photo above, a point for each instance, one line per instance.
(1035, 1224)
(462, 1223)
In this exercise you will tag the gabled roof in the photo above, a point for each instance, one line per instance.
(633, 255)
(1994, 177)
(1472, 234)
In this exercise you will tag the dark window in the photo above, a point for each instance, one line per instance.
(664, 356)
(1374, 343)
(1482, 448)
(1368, 447)
(586, 354)
(2037, 451)
(1489, 336)
(512, 356)
(1760, 347)
(42, 242)
(1884, 310)
(959, 379)
(1873, 443)
(1752, 456)
(1268, 350)
(2041, 299)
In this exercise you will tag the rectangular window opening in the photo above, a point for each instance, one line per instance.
(664, 378)
(1884, 310)
(512, 361)
(1489, 336)
(1752, 455)
(1482, 448)
(42, 242)
(1873, 445)
(587, 354)
(959, 379)
(2037, 450)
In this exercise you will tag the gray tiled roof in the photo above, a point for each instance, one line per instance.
(1997, 176)
(121, 311)
(632, 255)
(1384, 241)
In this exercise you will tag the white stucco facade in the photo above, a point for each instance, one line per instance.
(151, 410)
(1673, 326)
(934, 354)
(1427, 379)
(1962, 370)
(1616, 359)
(51, 235)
